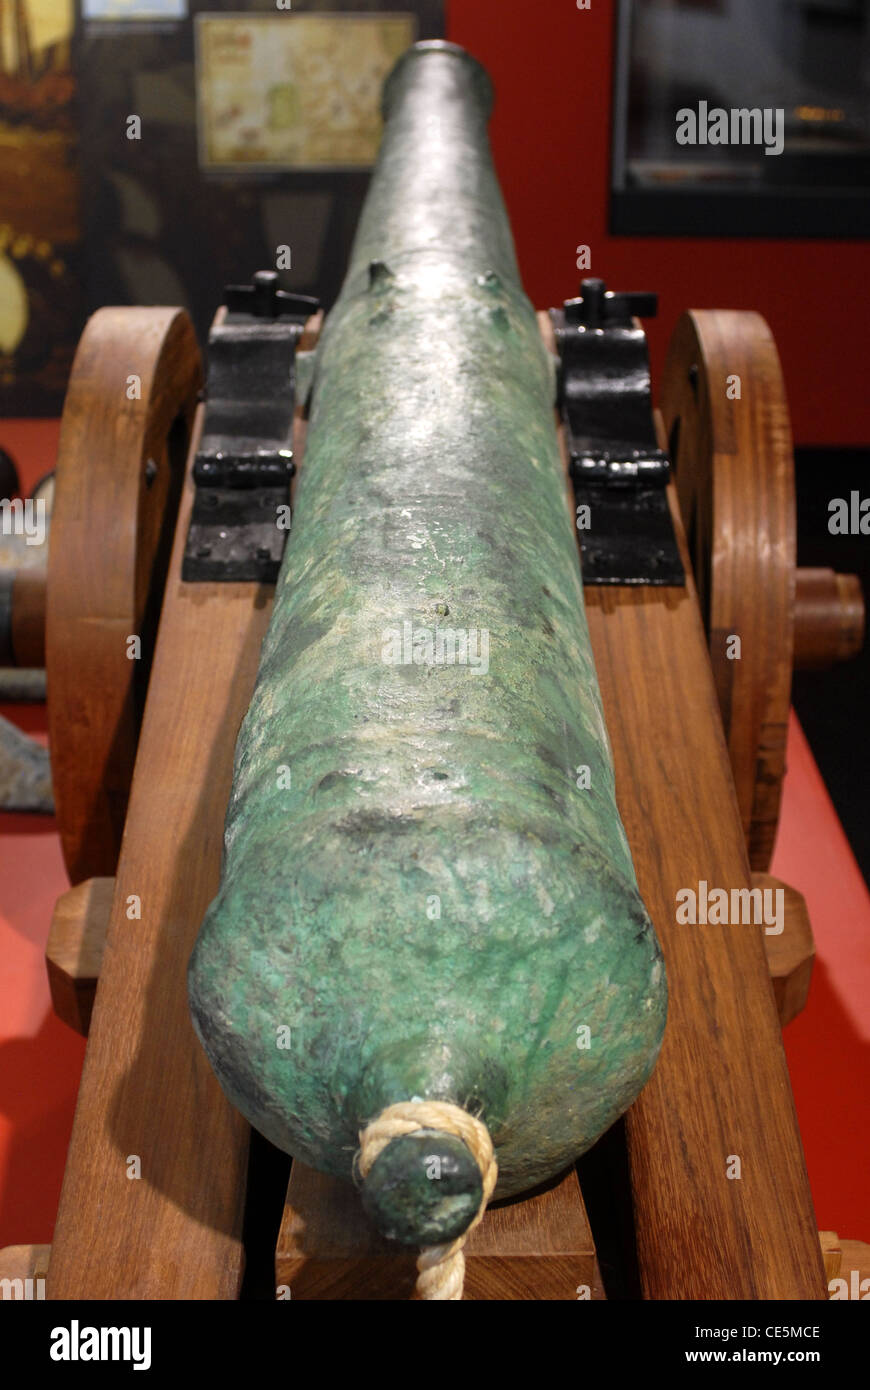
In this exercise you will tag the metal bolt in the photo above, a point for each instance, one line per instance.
(265, 294)
(592, 292)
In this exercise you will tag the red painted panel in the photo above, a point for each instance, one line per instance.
(828, 1045)
(551, 64)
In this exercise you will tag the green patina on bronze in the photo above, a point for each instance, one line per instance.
(434, 908)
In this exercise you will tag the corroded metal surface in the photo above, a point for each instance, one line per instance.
(419, 886)
(25, 773)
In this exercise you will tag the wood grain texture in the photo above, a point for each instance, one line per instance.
(720, 1086)
(76, 944)
(539, 1247)
(734, 469)
(832, 1254)
(829, 618)
(147, 1089)
(847, 1260)
(791, 952)
(855, 1255)
(119, 469)
(28, 617)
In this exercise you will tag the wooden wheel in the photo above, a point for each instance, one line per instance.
(726, 416)
(124, 438)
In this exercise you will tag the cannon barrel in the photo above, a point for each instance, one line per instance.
(427, 894)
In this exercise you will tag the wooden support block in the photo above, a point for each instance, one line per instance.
(855, 1268)
(847, 1267)
(534, 1247)
(832, 1253)
(537, 1247)
(22, 1271)
(74, 953)
(790, 954)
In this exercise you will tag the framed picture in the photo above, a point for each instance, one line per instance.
(134, 9)
(294, 91)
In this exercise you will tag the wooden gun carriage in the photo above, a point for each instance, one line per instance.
(708, 1160)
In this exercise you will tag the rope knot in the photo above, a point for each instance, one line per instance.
(401, 1200)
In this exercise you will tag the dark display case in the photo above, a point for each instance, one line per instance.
(739, 118)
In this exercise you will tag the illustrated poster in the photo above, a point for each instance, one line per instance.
(294, 91)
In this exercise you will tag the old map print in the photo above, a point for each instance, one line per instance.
(292, 91)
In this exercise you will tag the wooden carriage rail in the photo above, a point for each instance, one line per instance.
(147, 1092)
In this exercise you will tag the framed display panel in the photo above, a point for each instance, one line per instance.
(257, 127)
(134, 9)
(306, 95)
(734, 118)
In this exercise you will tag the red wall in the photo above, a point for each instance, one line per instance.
(552, 64)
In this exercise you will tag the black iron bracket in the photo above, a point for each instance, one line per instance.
(244, 464)
(619, 472)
